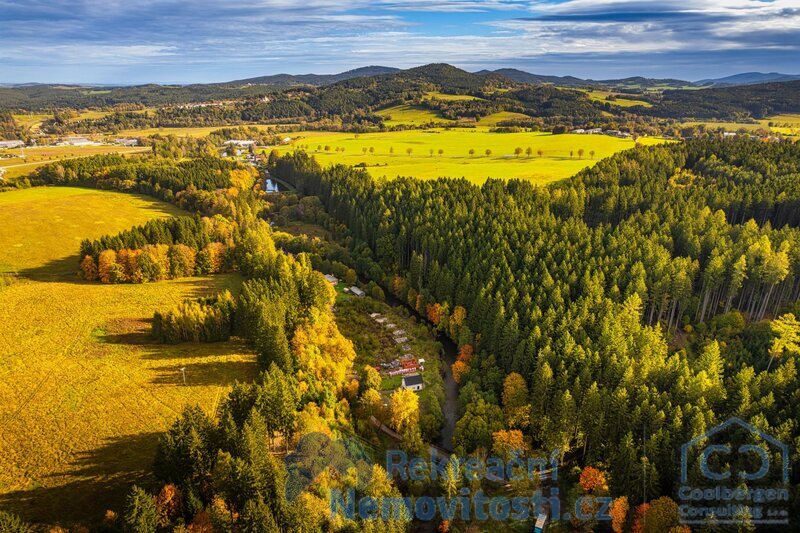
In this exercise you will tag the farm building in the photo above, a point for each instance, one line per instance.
(235, 142)
(413, 382)
(357, 292)
(78, 141)
(11, 144)
(126, 141)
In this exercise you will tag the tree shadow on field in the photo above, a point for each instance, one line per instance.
(93, 482)
(137, 333)
(64, 269)
(213, 373)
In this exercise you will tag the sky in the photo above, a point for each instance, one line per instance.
(197, 41)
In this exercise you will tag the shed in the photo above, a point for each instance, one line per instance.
(357, 292)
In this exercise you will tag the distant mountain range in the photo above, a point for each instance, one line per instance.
(749, 78)
(520, 76)
(285, 80)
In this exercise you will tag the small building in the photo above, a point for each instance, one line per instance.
(270, 186)
(374, 315)
(594, 131)
(399, 333)
(5, 145)
(401, 340)
(380, 320)
(126, 141)
(239, 143)
(357, 292)
(330, 278)
(413, 382)
(578, 130)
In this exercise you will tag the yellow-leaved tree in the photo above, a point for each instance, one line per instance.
(404, 408)
(321, 350)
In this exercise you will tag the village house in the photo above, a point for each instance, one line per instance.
(333, 280)
(413, 382)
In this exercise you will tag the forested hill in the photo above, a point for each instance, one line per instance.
(582, 287)
(728, 103)
(354, 99)
(287, 80)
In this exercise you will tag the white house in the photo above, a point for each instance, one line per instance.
(413, 382)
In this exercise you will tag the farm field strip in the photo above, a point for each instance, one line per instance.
(201, 131)
(17, 166)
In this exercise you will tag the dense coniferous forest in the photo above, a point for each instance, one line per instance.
(628, 298)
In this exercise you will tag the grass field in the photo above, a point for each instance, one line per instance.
(555, 163)
(84, 393)
(17, 166)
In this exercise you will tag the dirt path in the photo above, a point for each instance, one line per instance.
(448, 357)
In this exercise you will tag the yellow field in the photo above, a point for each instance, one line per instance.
(33, 121)
(554, 164)
(84, 393)
(410, 115)
(784, 124)
(17, 165)
(621, 100)
(450, 97)
(495, 118)
(184, 132)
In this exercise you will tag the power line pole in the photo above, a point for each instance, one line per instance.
(183, 373)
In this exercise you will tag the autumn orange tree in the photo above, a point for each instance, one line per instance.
(619, 514)
(593, 481)
(508, 442)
